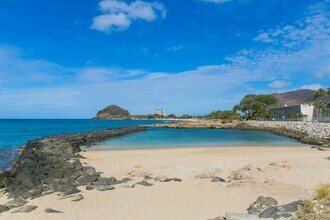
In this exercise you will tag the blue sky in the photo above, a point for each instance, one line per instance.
(68, 59)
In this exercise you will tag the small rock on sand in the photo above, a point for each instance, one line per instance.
(125, 180)
(216, 179)
(147, 177)
(3, 208)
(86, 179)
(105, 188)
(172, 179)
(49, 210)
(15, 203)
(25, 209)
(77, 198)
(217, 218)
(143, 183)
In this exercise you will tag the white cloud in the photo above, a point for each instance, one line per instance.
(309, 31)
(92, 75)
(216, 1)
(40, 98)
(118, 15)
(175, 48)
(295, 53)
(278, 84)
(111, 21)
(16, 69)
(292, 50)
(312, 86)
(324, 71)
(263, 37)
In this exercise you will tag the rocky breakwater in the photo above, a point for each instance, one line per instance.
(305, 132)
(51, 164)
(214, 124)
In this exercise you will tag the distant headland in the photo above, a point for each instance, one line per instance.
(113, 112)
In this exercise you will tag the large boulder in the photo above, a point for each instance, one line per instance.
(283, 211)
(261, 204)
(113, 112)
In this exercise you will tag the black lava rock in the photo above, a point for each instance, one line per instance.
(49, 210)
(216, 179)
(3, 208)
(25, 209)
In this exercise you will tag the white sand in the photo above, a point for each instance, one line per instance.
(285, 173)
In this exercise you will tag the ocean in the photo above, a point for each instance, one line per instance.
(15, 133)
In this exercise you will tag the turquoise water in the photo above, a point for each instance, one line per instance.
(15, 133)
(171, 138)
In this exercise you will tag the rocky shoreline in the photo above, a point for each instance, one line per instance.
(51, 164)
(213, 124)
(317, 134)
(305, 132)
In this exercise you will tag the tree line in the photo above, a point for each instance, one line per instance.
(251, 107)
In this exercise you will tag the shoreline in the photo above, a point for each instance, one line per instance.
(317, 134)
(130, 148)
(51, 169)
(287, 174)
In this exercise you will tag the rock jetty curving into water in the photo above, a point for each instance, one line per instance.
(305, 132)
(51, 164)
(113, 112)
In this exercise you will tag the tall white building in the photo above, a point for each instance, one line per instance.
(159, 111)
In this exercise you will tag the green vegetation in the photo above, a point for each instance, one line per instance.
(318, 209)
(252, 106)
(223, 115)
(322, 105)
(186, 116)
(306, 211)
(169, 116)
(255, 106)
(299, 115)
(323, 192)
(151, 116)
(321, 92)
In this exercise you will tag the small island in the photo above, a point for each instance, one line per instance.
(112, 112)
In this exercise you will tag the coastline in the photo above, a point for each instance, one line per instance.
(104, 148)
(284, 173)
(313, 133)
(51, 171)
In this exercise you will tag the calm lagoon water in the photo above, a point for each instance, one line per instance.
(171, 138)
(15, 133)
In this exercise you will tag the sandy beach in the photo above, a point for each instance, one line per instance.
(285, 173)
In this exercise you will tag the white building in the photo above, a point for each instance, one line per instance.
(159, 111)
(303, 112)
